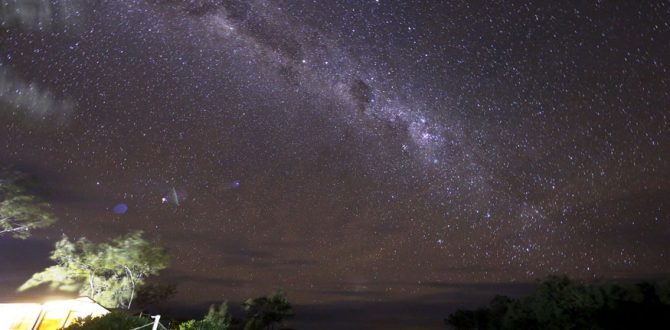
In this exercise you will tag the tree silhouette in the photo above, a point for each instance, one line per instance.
(151, 294)
(561, 303)
(267, 312)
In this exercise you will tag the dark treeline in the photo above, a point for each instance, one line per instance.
(262, 313)
(561, 303)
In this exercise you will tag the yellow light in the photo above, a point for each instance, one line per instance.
(51, 315)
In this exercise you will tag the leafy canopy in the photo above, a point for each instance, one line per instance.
(20, 210)
(109, 273)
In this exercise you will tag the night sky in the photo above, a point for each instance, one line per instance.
(380, 161)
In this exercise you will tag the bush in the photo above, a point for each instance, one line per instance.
(116, 320)
(561, 303)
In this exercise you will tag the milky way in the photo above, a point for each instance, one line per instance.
(371, 153)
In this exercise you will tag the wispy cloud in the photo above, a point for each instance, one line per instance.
(31, 100)
(38, 14)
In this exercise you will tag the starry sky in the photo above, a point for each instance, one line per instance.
(380, 161)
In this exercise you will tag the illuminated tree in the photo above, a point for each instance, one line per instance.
(108, 273)
(20, 210)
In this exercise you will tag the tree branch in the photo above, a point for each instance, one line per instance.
(132, 285)
(11, 230)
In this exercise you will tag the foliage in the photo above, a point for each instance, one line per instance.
(214, 320)
(151, 294)
(20, 210)
(262, 313)
(116, 320)
(195, 325)
(267, 312)
(561, 303)
(108, 273)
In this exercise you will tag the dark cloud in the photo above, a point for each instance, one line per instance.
(361, 93)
